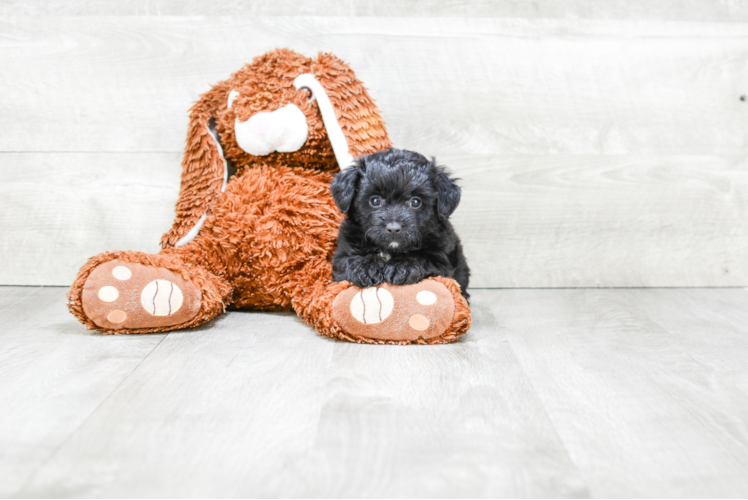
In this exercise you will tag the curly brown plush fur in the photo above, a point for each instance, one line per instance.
(267, 241)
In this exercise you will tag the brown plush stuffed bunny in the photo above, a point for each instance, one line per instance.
(264, 239)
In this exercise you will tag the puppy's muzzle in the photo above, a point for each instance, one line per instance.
(284, 130)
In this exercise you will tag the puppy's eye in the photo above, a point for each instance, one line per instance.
(415, 202)
(375, 201)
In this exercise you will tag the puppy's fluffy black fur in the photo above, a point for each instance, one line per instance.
(397, 230)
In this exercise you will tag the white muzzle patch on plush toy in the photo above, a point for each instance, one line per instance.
(284, 130)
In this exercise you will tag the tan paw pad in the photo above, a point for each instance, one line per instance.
(418, 322)
(117, 316)
(125, 295)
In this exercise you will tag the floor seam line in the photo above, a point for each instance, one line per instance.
(586, 484)
(85, 420)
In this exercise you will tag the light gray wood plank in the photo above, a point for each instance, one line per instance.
(647, 388)
(257, 405)
(705, 308)
(667, 10)
(525, 221)
(603, 221)
(445, 85)
(58, 209)
(54, 375)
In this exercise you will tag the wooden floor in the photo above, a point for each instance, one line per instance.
(554, 393)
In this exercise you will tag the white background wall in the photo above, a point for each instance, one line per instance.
(599, 143)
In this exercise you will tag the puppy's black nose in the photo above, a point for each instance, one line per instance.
(393, 227)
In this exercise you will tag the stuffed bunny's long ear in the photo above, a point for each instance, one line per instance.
(362, 127)
(204, 169)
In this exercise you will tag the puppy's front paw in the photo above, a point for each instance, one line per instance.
(362, 281)
(404, 275)
(367, 275)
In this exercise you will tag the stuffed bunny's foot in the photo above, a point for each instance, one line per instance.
(126, 295)
(420, 313)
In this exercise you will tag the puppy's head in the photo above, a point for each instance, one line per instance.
(397, 198)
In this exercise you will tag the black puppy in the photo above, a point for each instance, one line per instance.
(397, 230)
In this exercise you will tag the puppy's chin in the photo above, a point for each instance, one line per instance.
(395, 246)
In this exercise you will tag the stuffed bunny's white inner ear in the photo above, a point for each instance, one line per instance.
(232, 97)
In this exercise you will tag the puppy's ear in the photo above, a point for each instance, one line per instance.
(448, 196)
(344, 185)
